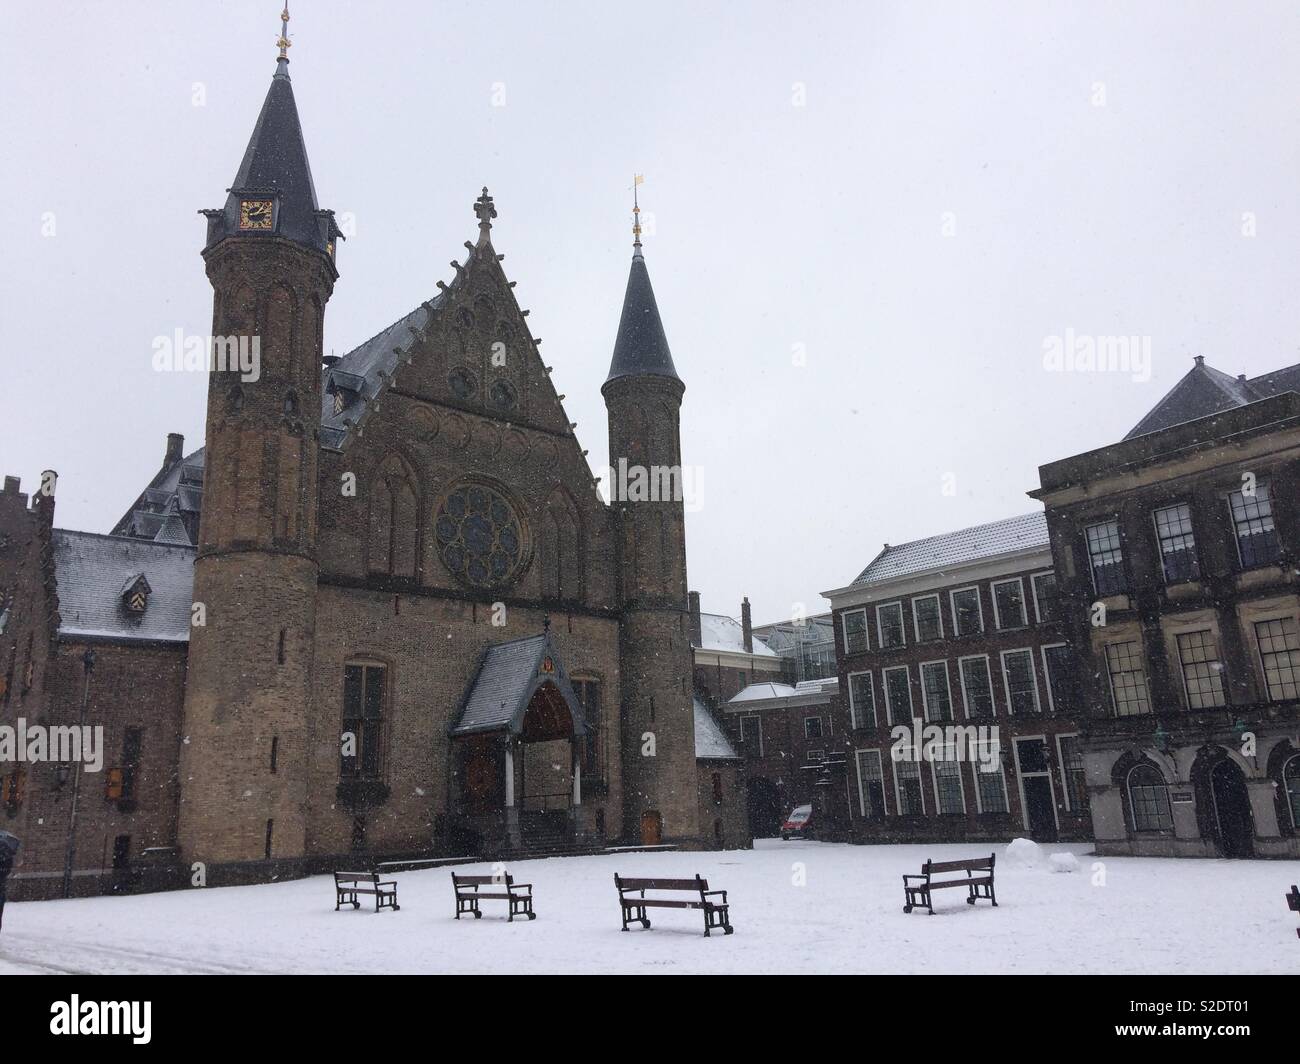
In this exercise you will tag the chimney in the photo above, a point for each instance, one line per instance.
(13, 485)
(697, 626)
(747, 625)
(175, 449)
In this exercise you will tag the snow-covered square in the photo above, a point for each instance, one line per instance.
(798, 907)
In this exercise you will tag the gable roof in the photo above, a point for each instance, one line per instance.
(956, 548)
(93, 571)
(1204, 390)
(719, 632)
(507, 677)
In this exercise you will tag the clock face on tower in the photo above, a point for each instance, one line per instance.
(255, 213)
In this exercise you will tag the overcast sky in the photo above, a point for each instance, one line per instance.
(910, 199)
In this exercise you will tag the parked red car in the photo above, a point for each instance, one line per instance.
(798, 824)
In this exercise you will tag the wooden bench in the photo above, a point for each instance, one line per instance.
(631, 896)
(347, 885)
(1293, 902)
(519, 896)
(917, 888)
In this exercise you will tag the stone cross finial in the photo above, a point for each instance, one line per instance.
(485, 212)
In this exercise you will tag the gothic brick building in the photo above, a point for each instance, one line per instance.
(384, 610)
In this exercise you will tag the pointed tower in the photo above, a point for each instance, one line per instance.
(643, 395)
(270, 259)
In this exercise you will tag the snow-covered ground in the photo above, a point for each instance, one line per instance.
(1150, 916)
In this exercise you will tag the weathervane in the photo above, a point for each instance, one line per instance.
(284, 43)
(637, 179)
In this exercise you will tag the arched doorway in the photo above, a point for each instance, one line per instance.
(1233, 820)
(765, 812)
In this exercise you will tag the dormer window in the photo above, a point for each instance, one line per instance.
(340, 401)
(135, 595)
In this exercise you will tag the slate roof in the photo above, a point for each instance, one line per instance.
(275, 163)
(508, 675)
(92, 572)
(1205, 390)
(176, 489)
(642, 346)
(956, 548)
(711, 742)
(721, 633)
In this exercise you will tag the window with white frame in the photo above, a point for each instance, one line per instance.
(1020, 681)
(926, 621)
(1009, 603)
(862, 700)
(1045, 598)
(1252, 521)
(751, 734)
(909, 795)
(1073, 783)
(977, 686)
(871, 784)
(812, 727)
(1148, 796)
(889, 621)
(898, 694)
(967, 617)
(1062, 684)
(1106, 558)
(935, 694)
(947, 786)
(855, 631)
(816, 757)
(1279, 652)
(990, 782)
(1128, 679)
(1177, 543)
(1198, 654)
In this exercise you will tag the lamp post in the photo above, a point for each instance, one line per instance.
(88, 666)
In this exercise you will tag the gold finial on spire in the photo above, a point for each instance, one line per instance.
(284, 44)
(637, 179)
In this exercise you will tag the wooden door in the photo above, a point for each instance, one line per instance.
(651, 828)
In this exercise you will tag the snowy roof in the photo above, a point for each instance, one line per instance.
(957, 548)
(508, 676)
(757, 691)
(719, 632)
(92, 570)
(710, 740)
(1204, 390)
(826, 683)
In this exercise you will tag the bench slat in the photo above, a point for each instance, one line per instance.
(695, 885)
(979, 863)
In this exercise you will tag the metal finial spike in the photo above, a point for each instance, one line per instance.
(284, 44)
(637, 179)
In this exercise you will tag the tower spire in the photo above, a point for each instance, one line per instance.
(284, 44)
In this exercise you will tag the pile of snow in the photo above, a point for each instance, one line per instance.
(1063, 862)
(1023, 853)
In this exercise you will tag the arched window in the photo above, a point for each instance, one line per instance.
(365, 698)
(1148, 797)
(562, 567)
(1291, 787)
(394, 521)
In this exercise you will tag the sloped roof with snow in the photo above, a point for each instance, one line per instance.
(957, 548)
(711, 741)
(721, 633)
(508, 675)
(92, 571)
(757, 691)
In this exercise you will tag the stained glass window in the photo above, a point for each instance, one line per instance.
(478, 535)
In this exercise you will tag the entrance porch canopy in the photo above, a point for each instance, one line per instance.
(521, 688)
